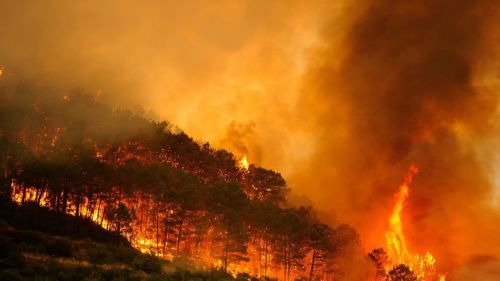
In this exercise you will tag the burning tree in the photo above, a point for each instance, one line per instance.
(379, 258)
(401, 273)
(165, 193)
(399, 263)
(320, 241)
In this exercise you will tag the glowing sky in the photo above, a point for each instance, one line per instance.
(339, 96)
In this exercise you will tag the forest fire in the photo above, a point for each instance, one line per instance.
(170, 197)
(423, 266)
(263, 140)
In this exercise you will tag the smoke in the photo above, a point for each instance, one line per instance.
(197, 64)
(409, 88)
(341, 97)
(239, 137)
(479, 268)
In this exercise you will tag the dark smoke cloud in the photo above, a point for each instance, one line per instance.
(406, 91)
(344, 95)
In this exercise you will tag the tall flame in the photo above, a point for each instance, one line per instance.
(422, 265)
(396, 242)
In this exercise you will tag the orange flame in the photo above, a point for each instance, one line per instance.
(244, 163)
(422, 265)
(143, 235)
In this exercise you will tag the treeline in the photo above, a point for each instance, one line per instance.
(163, 191)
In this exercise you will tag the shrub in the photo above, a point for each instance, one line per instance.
(216, 275)
(10, 275)
(27, 237)
(125, 254)
(60, 247)
(10, 257)
(243, 277)
(98, 255)
(28, 240)
(147, 263)
(117, 274)
(157, 277)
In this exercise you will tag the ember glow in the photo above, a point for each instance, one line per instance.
(328, 102)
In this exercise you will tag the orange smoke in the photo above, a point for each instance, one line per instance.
(422, 265)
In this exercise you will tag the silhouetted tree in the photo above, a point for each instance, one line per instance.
(154, 184)
(320, 243)
(401, 273)
(379, 258)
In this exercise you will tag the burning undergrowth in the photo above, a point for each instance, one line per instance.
(167, 194)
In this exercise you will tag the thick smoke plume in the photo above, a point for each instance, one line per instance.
(408, 90)
(200, 65)
(340, 96)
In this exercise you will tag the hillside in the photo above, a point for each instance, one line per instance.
(159, 190)
(40, 244)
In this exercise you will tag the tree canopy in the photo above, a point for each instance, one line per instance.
(166, 193)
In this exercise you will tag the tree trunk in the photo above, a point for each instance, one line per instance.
(265, 258)
(77, 206)
(36, 195)
(226, 249)
(24, 195)
(39, 195)
(58, 202)
(53, 202)
(91, 204)
(6, 185)
(165, 237)
(145, 223)
(166, 234)
(64, 201)
(313, 260)
(157, 231)
(103, 212)
(259, 254)
(141, 207)
(98, 210)
(285, 259)
(289, 262)
(179, 235)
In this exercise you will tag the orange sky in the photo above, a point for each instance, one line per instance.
(339, 96)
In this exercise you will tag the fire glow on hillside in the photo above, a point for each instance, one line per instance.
(265, 137)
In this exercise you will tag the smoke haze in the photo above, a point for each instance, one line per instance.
(341, 97)
(408, 90)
